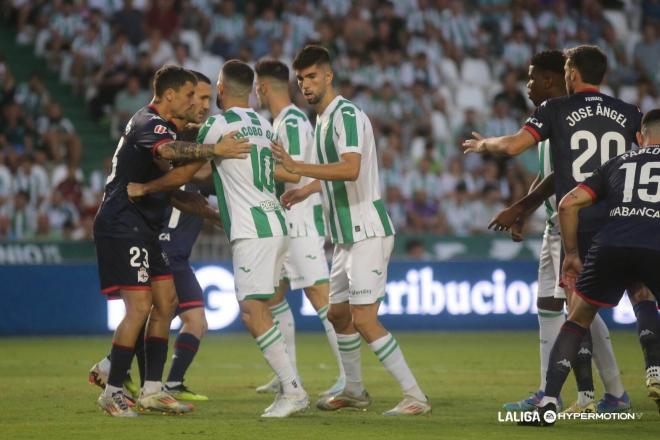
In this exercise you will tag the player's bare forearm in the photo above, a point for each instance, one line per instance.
(509, 145)
(174, 178)
(204, 175)
(183, 151)
(569, 207)
(192, 203)
(537, 195)
(348, 168)
(282, 175)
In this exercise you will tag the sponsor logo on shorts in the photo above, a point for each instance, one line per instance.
(359, 292)
(377, 272)
(142, 275)
(310, 257)
(245, 269)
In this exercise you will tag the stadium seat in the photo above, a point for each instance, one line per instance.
(448, 71)
(476, 72)
(468, 96)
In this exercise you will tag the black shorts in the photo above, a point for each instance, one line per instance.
(129, 264)
(608, 271)
(188, 291)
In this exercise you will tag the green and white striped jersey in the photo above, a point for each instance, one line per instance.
(245, 187)
(546, 167)
(296, 134)
(355, 209)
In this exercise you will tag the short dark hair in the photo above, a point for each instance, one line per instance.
(652, 117)
(273, 69)
(549, 61)
(200, 77)
(238, 72)
(311, 55)
(171, 77)
(590, 61)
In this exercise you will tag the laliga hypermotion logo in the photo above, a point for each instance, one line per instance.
(550, 417)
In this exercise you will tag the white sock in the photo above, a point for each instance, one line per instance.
(332, 337)
(109, 390)
(104, 365)
(390, 355)
(349, 351)
(550, 323)
(272, 346)
(547, 399)
(151, 387)
(603, 356)
(172, 384)
(284, 319)
(585, 397)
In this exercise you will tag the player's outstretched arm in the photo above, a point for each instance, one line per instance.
(282, 175)
(195, 204)
(569, 207)
(510, 145)
(229, 147)
(524, 207)
(172, 180)
(297, 195)
(348, 167)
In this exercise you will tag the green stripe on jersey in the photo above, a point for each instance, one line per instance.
(318, 220)
(382, 214)
(294, 112)
(254, 118)
(292, 135)
(231, 117)
(260, 219)
(222, 202)
(282, 220)
(339, 189)
(205, 130)
(333, 228)
(350, 126)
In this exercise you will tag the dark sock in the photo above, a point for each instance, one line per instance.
(582, 364)
(647, 329)
(155, 350)
(185, 348)
(120, 361)
(139, 354)
(563, 356)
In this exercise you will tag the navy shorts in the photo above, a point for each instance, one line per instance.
(608, 271)
(129, 264)
(188, 291)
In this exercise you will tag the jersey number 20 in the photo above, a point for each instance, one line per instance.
(592, 147)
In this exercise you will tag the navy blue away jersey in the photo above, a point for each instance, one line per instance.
(585, 129)
(180, 233)
(134, 162)
(629, 187)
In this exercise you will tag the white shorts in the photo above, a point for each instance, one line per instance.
(257, 266)
(549, 269)
(305, 264)
(359, 271)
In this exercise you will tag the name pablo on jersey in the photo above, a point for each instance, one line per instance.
(601, 110)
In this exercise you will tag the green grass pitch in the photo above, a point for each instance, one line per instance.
(44, 393)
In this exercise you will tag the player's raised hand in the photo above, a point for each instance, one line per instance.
(474, 145)
(230, 147)
(505, 218)
(135, 190)
(282, 156)
(571, 270)
(293, 196)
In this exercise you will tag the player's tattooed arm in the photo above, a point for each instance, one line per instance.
(229, 147)
(510, 145)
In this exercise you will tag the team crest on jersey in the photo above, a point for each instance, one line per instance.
(142, 275)
(160, 129)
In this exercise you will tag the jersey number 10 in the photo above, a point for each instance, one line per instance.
(262, 168)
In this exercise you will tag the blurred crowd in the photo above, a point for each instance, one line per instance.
(428, 72)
